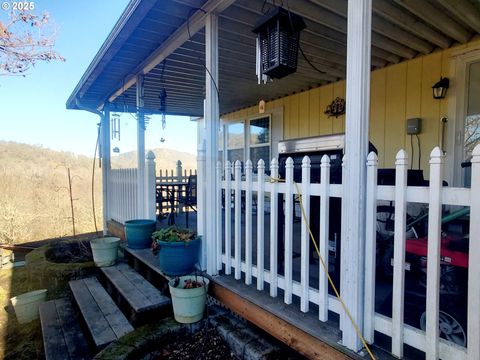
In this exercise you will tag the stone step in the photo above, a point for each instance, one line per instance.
(62, 336)
(104, 320)
(134, 291)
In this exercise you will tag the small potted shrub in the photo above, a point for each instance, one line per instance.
(178, 250)
(189, 294)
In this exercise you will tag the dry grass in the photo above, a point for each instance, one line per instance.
(16, 341)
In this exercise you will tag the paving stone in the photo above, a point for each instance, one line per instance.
(239, 339)
(259, 348)
(225, 324)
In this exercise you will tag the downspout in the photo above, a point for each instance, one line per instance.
(104, 151)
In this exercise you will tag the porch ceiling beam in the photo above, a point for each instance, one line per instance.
(195, 23)
(465, 11)
(321, 15)
(330, 68)
(240, 19)
(393, 46)
(408, 22)
(237, 22)
(380, 26)
(436, 18)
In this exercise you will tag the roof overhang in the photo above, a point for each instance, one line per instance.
(164, 40)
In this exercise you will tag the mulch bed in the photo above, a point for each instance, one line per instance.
(70, 252)
(198, 346)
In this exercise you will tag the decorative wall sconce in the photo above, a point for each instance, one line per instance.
(336, 108)
(440, 88)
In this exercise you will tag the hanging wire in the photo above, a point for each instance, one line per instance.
(201, 61)
(419, 151)
(299, 45)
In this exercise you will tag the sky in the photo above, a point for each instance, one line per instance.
(32, 108)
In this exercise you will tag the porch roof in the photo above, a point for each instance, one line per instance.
(152, 38)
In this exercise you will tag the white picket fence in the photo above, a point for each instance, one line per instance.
(436, 196)
(171, 175)
(123, 200)
(123, 194)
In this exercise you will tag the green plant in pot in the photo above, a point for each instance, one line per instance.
(178, 250)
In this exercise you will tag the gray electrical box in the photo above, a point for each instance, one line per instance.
(414, 126)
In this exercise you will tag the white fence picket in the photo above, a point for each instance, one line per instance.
(289, 213)
(323, 238)
(260, 223)
(400, 193)
(238, 219)
(228, 218)
(305, 235)
(218, 216)
(370, 248)
(473, 325)
(401, 165)
(122, 194)
(433, 254)
(273, 228)
(248, 221)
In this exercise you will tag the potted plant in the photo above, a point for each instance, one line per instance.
(189, 294)
(178, 250)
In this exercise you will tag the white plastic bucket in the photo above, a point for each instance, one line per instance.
(105, 250)
(26, 305)
(188, 304)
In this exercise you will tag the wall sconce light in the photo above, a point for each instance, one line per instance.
(440, 88)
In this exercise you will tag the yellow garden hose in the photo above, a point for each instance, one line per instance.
(325, 268)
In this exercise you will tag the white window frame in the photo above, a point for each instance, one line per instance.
(247, 133)
(456, 133)
(246, 140)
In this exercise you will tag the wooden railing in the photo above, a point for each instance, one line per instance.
(244, 188)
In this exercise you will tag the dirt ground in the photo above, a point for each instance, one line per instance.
(16, 341)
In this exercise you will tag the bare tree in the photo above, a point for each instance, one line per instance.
(25, 40)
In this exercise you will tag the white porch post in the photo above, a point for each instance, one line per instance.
(150, 187)
(140, 149)
(212, 123)
(356, 147)
(105, 155)
(201, 209)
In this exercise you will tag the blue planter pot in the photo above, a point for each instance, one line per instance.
(139, 233)
(178, 258)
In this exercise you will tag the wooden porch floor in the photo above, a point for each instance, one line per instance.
(328, 332)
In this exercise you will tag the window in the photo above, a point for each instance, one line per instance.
(249, 139)
(259, 146)
(235, 142)
(472, 116)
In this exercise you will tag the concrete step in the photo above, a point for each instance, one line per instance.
(137, 297)
(62, 336)
(103, 319)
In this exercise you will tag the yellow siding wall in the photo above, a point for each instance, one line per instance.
(398, 92)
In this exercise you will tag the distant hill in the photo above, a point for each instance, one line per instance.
(34, 197)
(164, 159)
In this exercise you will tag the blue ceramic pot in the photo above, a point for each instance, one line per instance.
(139, 233)
(178, 258)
